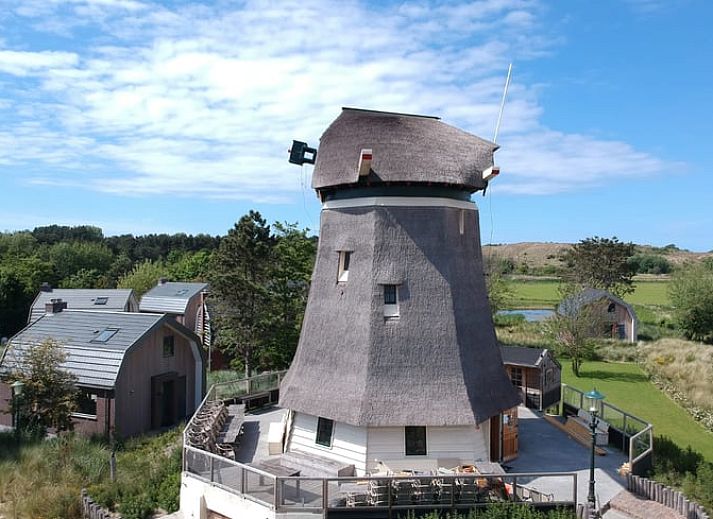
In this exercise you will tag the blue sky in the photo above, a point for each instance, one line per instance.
(141, 116)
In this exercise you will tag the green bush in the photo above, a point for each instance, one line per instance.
(136, 507)
(649, 264)
(508, 319)
(168, 496)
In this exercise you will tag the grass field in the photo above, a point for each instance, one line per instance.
(627, 387)
(544, 294)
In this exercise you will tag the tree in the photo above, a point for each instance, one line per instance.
(600, 263)
(575, 325)
(293, 255)
(499, 291)
(691, 292)
(239, 289)
(143, 276)
(49, 395)
(14, 303)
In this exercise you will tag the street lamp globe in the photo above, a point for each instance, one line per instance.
(17, 387)
(593, 400)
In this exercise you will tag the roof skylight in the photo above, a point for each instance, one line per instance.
(105, 335)
(101, 300)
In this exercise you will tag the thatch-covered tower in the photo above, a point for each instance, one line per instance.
(397, 360)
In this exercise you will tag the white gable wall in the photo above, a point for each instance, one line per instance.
(348, 442)
(463, 444)
(363, 446)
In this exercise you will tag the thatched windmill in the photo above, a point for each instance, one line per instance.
(397, 360)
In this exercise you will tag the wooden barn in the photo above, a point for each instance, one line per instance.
(135, 371)
(535, 373)
(397, 363)
(620, 320)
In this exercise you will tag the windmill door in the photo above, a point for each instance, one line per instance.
(510, 434)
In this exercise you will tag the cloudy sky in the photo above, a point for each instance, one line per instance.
(142, 116)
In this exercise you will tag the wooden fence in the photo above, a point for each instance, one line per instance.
(667, 496)
(92, 510)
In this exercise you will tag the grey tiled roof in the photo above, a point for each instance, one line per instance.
(170, 297)
(95, 364)
(82, 299)
(522, 356)
(590, 295)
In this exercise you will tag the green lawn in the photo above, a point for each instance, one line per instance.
(544, 294)
(627, 387)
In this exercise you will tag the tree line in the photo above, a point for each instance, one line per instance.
(259, 276)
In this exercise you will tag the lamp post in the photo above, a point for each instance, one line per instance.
(593, 400)
(17, 388)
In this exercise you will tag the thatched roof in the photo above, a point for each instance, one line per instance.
(439, 363)
(406, 149)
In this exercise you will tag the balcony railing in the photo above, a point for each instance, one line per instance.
(322, 495)
(628, 433)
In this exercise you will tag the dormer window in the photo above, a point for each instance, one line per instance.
(391, 301)
(344, 258)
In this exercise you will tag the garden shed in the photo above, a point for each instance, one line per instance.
(535, 373)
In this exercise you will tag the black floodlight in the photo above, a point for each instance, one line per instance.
(299, 152)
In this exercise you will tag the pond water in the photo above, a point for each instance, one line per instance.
(531, 316)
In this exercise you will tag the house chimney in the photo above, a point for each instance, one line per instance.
(162, 281)
(55, 306)
(45, 287)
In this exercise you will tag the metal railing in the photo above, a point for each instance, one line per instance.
(242, 388)
(321, 495)
(632, 435)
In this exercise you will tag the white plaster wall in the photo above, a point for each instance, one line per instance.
(348, 442)
(465, 444)
(197, 497)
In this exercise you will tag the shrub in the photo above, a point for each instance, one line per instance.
(136, 507)
(168, 495)
(691, 292)
(649, 264)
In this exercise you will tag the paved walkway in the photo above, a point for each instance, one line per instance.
(635, 507)
(543, 447)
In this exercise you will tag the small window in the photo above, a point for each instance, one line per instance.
(105, 335)
(549, 376)
(168, 346)
(344, 259)
(612, 308)
(101, 300)
(325, 429)
(391, 301)
(415, 441)
(516, 376)
(86, 402)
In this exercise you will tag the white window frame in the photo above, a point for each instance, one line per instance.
(391, 311)
(344, 261)
(331, 435)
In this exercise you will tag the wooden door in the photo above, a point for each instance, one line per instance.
(495, 438)
(510, 434)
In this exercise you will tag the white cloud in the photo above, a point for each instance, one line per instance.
(205, 100)
(20, 63)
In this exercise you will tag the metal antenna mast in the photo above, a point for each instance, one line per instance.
(502, 104)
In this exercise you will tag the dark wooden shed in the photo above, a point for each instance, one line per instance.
(536, 373)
